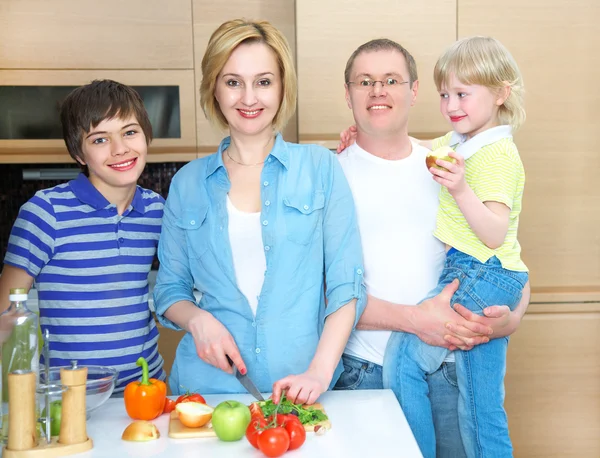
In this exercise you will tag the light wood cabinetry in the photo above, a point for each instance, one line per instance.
(328, 33)
(54, 151)
(553, 381)
(87, 34)
(210, 15)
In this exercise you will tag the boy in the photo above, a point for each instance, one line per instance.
(89, 244)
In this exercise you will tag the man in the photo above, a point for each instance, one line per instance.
(396, 201)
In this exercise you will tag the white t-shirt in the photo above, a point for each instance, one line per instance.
(249, 262)
(396, 204)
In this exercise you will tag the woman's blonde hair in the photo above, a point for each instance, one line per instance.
(486, 62)
(222, 43)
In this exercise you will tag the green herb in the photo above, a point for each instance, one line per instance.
(306, 415)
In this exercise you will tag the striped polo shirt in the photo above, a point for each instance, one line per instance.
(91, 266)
(495, 173)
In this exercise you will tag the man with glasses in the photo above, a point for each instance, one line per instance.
(396, 201)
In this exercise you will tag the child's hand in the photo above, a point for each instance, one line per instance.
(453, 177)
(347, 137)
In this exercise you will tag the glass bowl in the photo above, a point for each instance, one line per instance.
(101, 381)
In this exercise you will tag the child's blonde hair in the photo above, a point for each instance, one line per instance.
(486, 62)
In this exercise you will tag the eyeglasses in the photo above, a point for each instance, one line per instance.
(367, 83)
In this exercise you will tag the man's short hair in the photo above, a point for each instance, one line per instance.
(383, 44)
(89, 105)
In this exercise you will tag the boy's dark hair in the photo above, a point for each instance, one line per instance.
(89, 105)
(383, 44)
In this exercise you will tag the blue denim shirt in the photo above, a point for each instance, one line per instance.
(309, 233)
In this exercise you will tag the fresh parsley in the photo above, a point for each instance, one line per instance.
(307, 415)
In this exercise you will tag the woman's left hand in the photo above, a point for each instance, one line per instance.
(300, 389)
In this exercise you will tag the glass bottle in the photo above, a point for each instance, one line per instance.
(20, 351)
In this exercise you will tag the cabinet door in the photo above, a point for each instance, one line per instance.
(556, 45)
(86, 34)
(208, 15)
(182, 147)
(328, 32)
(553, 382)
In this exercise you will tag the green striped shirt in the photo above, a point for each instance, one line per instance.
(495, 173)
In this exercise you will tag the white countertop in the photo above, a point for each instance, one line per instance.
(365, 423)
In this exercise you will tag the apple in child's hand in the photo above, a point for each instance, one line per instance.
(440, 153)
(230, 420)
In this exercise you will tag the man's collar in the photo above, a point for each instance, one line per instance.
(87, 193)
(279, 152)
(467, 148)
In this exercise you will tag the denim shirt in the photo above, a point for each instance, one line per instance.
(309, 233)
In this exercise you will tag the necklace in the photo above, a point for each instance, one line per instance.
(241, 163)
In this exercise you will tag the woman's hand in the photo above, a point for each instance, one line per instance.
(347, 137)
(213, 342)
(300, 389)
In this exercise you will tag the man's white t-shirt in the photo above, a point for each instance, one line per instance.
(396, 203)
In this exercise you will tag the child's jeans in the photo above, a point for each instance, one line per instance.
(480, 371)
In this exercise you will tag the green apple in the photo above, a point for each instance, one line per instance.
(230, 420)
(440, 153)
(55, 417)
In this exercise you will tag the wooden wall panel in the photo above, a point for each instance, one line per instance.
(87, 34)
(556, 45)
(553, 383)
(208, 15)
(327, 35)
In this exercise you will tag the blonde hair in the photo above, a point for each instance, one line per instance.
(486, 62)
(223, 42)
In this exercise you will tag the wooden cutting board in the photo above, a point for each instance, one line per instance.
(178, 431)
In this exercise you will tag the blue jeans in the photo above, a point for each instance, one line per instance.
(480, 371)
(360, 374)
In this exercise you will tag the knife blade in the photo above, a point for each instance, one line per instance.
(246, 381)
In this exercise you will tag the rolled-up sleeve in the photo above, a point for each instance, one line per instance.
(174, 282)
(344, 271)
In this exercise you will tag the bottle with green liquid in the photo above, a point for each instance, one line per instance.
(20, 351)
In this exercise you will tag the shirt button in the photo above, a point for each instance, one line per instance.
(265, 222)
(266, 183)
(306, 207)
(267, 247)
(359, 271)
(193, 222)
(269, 159)
(267, 202)
(257, 350)
(121, 240)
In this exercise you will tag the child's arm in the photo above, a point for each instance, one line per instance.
(12, 277)
(488, 220)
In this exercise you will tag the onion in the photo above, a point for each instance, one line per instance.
(140, 431)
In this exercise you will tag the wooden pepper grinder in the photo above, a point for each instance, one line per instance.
(21, 414)
(73, 425)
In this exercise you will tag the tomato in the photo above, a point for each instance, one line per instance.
(256, 411)
(190, 397)
(296, 432)
(169, 406)
(273, 441)
(281, 419)
(254, 429)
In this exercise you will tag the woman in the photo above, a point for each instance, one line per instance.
(256, 228)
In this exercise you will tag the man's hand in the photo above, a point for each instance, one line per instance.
(347, 137)
(499, 318)
(435, 323)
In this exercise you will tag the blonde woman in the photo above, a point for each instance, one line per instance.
(256, 228)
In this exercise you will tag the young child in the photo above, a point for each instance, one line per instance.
(480, 201)
(89, 244)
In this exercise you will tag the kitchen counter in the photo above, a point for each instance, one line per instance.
(365, 423)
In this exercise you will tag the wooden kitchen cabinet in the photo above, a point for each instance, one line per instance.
(207, 16)
(54, 151)
(87, 34)
(553, 379)
(327, 34)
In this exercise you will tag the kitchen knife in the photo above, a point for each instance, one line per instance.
(245, 381)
